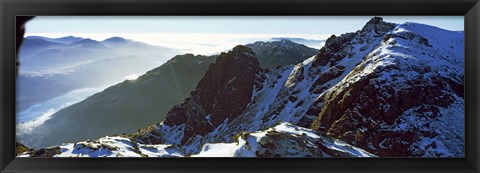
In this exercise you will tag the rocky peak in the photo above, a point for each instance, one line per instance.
(337, 47)
(377, 25)
(223, 93)
(375, 20)
(232, 74)
(240, 49)
(332, 50)
(393, 109)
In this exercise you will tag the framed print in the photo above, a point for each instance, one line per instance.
(261, 86)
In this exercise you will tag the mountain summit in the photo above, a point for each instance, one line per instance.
(221, 95)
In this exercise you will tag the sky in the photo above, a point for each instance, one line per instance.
(212, 34)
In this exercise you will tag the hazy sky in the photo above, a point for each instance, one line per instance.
(224, 24)
(209, 34)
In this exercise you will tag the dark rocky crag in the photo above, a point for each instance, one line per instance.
(223, 93)
(335, 49)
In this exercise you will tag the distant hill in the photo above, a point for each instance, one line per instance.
(64, 40)
(317, 44)
(280, 53)
(52, 67)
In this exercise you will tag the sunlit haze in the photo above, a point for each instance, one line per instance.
(210, 34)
(196, 43)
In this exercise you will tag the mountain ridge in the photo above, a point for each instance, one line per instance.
(278, 53)
(64, 40)
(407, 68)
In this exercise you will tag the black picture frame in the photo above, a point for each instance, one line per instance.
(9, 9)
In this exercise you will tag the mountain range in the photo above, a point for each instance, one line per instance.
(55, 67)
(314, 43)
(132, 103)
(387, 90)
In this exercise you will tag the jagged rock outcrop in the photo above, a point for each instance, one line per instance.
(223, 93)
(332, 50)
(337, 47)
(351, 48)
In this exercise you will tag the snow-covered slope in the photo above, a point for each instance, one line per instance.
(114, 146)
(405, 98)
(283, 140)
(392, 90)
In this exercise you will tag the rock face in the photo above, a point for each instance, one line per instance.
(227, 87)
(338, 47)
(332, 50)
(222, 94)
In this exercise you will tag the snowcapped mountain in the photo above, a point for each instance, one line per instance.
(388, 90)
(404, 98)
